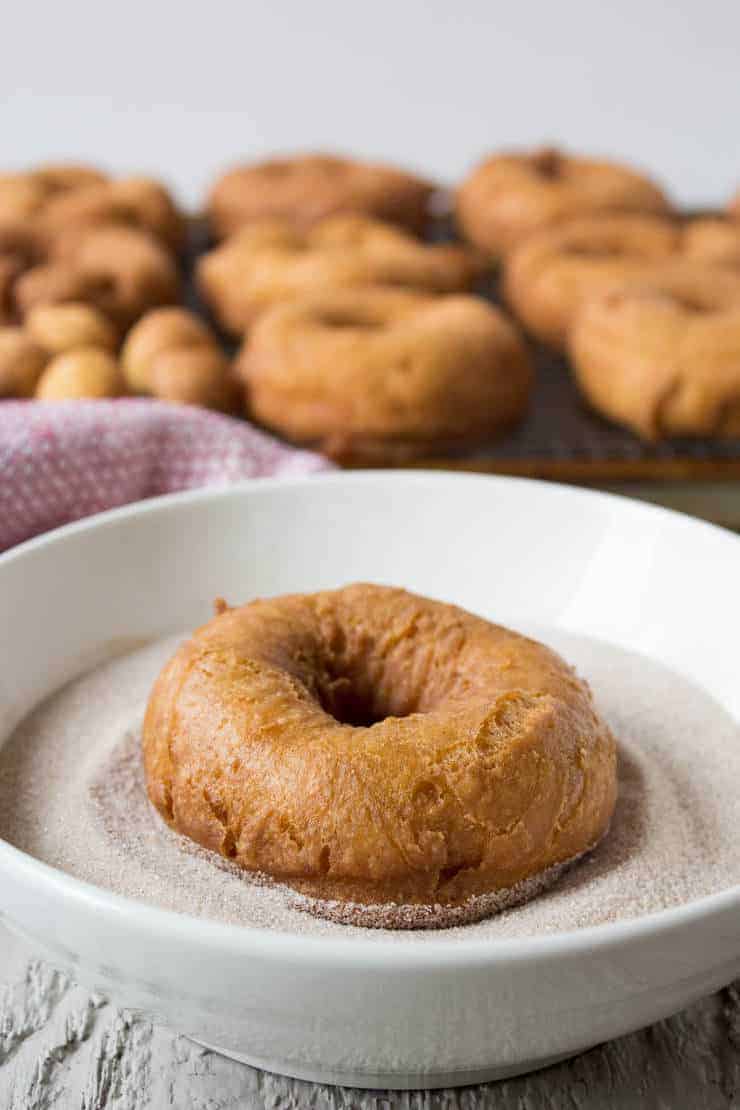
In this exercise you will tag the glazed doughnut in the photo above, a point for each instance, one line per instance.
(133, 202)
(377, 373)
(662, 355)
(121, 270)
(546, 279)
(308, 188)
(401, 762)
(511, 195)
(266, 263)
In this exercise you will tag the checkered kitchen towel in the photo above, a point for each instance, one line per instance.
(63, 460)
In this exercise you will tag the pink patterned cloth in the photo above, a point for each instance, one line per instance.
(60, 461)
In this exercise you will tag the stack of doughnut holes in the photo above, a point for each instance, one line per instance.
(353, 331)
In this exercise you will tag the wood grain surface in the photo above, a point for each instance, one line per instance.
(64, 1048)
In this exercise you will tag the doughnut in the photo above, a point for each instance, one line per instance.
(368, 373)
(62, 327)
(548, 276)
(52, 283)
(120, 270)
(62, 177)
(85, 372)
(22, 363)
(511, 195)
(133, 202)
(162, 329)
(24, 194)
(265, 263)
(397, 761)
(307, 188)
(662, 355)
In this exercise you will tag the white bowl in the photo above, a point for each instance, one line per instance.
(350, 1010)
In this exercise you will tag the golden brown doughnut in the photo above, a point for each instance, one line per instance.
(162, 329)
(547, 278)
(24, 194)
(61, 177)
(22, 362)
(85, 372)
(511, 195)
(367, 372)
(401, 762)
(61, 327)
(58, 283)
(133, 202)
(713, 240)
(266, 263)
(308, 188)
(662, 355)
(121, 270)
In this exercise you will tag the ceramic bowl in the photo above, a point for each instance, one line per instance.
(352, 1010)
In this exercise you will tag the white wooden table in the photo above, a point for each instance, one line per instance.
(63, 1048)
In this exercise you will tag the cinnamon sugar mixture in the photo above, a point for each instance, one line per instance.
(72, 794)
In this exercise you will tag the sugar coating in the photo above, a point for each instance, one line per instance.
(72, 794)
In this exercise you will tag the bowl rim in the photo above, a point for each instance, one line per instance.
(332, 949)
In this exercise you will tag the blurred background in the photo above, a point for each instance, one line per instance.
(178, 90)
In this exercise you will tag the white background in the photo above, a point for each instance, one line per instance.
(182, 89)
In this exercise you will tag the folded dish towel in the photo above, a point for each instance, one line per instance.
(60, 461)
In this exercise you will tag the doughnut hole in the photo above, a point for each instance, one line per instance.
(63, 327)
(194, 376)
(162, 329)
(22, 363)
(87, 372)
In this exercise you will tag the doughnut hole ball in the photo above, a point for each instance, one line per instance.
(63, 327)
(162, 329)
(195, 376)
(22, 363)
(85, 372)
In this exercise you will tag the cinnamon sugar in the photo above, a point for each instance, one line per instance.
(72, 794)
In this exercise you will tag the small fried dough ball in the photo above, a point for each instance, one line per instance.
(162, 329)
(62, 327)
(195, 376)
(86, 372)
(22, 363)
